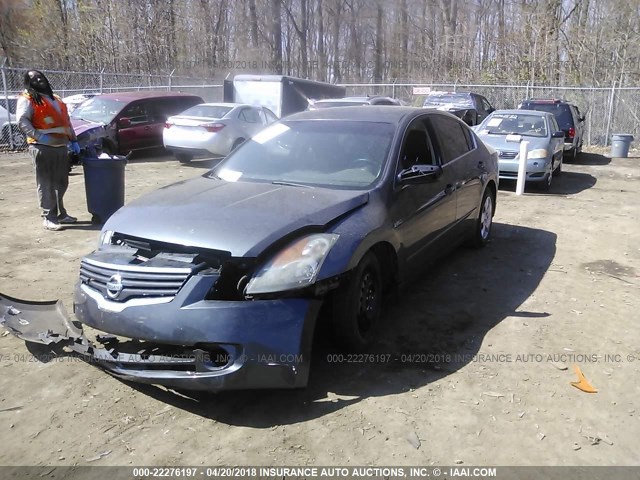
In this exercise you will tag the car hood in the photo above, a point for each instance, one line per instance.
(499, 142)
(81, 126)
(243, 218)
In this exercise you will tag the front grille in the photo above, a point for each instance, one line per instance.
(508, 155)
(130, 281)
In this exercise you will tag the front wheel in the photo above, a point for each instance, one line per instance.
(558, 170)
(545, 185)
(357, 308)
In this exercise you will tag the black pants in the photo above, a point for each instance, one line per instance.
(52, 179)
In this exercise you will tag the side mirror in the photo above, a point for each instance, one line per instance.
(558, 134)
(124, 122)
(419, 174)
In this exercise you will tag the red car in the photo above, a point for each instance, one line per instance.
(128, 121)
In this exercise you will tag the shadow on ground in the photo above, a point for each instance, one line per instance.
(568, 183)
(590, 159)
(443, 317)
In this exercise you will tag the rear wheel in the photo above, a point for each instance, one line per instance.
(482, 230)
(184, 157)
(357, 308)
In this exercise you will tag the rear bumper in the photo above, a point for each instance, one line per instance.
(213, 345)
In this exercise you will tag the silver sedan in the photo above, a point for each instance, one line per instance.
(504, 129)
(213, 129)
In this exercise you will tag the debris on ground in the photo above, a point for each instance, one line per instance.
(414, 440)
(582, 383)
(99, 456)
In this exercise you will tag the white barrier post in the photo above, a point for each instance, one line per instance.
(522, 167)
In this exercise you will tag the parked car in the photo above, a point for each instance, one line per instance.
(545, 138)
(353, 101)
(127, 121)
(213, 129)
(569, 118)
(470, 107)
(10, 133)
(216, 282)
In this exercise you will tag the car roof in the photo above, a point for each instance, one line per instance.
(226, 104)
(521, 111)
(373, 113)
(140, 95)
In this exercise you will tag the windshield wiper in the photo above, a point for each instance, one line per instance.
(290, 184)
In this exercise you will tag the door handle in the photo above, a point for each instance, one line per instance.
(449, 189)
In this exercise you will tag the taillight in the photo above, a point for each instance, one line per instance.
(572, 132)
(168, 125)
(213, 127)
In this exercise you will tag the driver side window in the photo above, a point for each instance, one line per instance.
(417, 149)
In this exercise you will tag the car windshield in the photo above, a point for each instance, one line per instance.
(444, 99)
(560, 111)
(339, 104)
(98, 109)
(206, 111)
(519, 124)
(323, 153)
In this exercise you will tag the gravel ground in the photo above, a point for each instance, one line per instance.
(481, 351)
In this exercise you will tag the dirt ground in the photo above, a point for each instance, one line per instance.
(481, 351)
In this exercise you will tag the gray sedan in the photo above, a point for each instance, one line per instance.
(213, 129)
(504, 129)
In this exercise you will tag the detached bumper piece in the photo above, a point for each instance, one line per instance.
(246, 357)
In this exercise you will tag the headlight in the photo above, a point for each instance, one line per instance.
(105, 238)
(294, 267)
(538, 153)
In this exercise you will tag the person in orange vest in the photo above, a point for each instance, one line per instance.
(44, 119)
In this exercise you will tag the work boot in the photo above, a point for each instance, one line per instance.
(67, 219)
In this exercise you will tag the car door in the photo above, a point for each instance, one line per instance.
(557, 144)
(457, 150)
(249, 121)
(485, 108)
(134, 126)
(421, 213)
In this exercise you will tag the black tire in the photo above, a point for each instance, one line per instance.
(357, 307)
(558, 170)
(184, 157)
(482, 229)
(546, 185)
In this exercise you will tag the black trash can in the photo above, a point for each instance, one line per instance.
(104, 185)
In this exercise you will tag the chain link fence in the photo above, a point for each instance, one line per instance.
(608, 110)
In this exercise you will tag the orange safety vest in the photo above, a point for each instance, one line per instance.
(46, 116)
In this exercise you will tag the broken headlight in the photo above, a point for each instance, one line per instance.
(294, 267)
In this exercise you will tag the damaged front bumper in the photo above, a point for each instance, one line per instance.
(182, 341)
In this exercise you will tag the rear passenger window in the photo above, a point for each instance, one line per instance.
(452, 137)
(249, 115)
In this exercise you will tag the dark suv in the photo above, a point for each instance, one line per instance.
(472, 108)
(569, 119)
